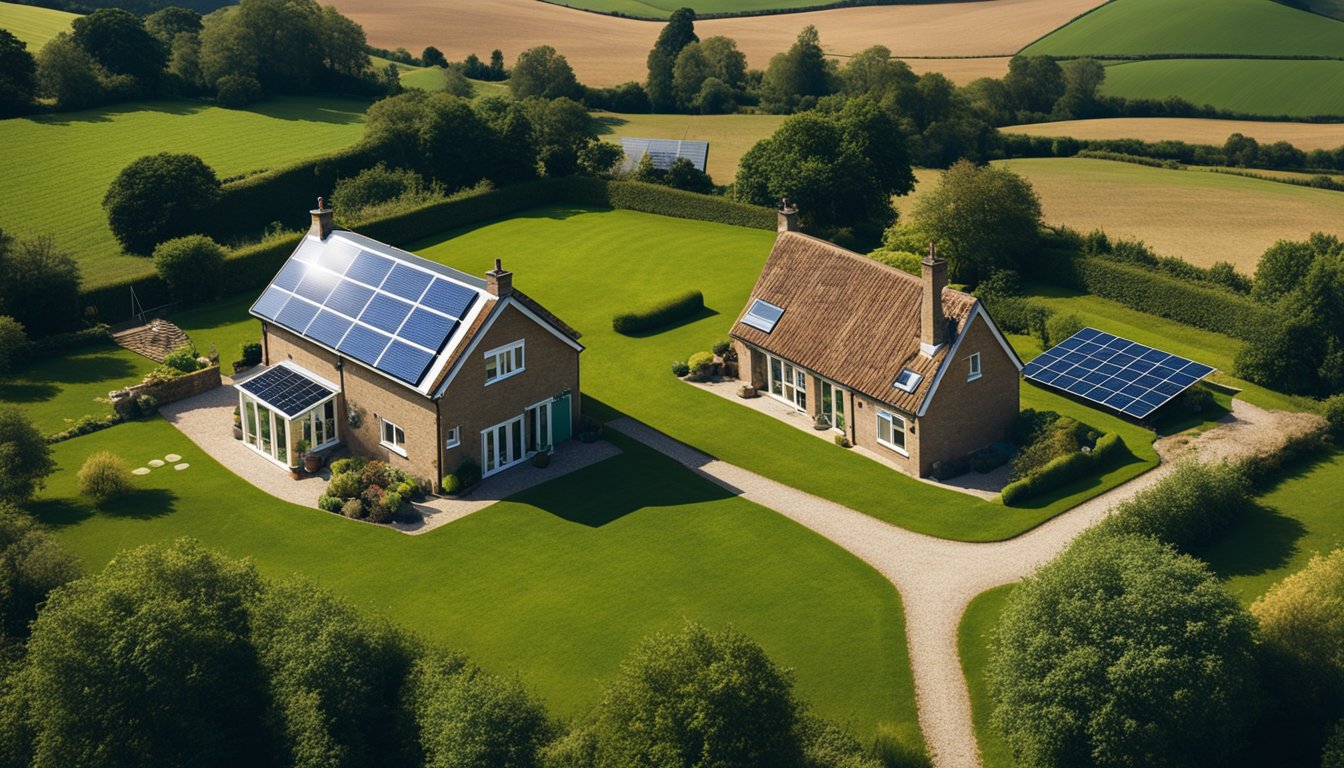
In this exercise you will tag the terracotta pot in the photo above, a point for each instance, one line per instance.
(311, 463)
(237, 433)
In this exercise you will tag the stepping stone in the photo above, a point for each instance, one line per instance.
(140, 471)
(156, 463)
(181, 466)
(170, 458)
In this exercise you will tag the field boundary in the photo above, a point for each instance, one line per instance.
(831, 6)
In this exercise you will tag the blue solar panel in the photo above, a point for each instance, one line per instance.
(290, 275)
(317, 285)
(364, 344)
(406, 282)
(427, 329)
(449, 298)
(404, 361)
(385, 312)
(328, 328)
(1123, 375)
(286, 390)
(270, 303)
(296, 314)
(369, 268)
(349, 298)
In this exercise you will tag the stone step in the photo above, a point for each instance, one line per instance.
(155, 340)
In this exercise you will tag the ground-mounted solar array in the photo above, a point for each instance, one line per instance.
(1120, 374)
(390, 314)
(663, 152)
(286, 390)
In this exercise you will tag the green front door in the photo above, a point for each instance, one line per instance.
(561, 429)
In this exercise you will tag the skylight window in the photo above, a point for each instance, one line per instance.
(763, 315)
(908, 380)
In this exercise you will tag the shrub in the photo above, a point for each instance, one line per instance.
(372, 496)
(386, 507)
(252, 354)
(192, 266)
(104, 476)
(1059, 327)
(159, 197)
(329, 503)
(237, 91)
(700, 364)
(903, 260)
(469, 472)
(13, 343)
(182, 360)
(1187, 508)
(380, 473)
(1122, 652)
(723, 347)
(1060, 471)
(680, 368)
(25, 459)
(146, 405)
(541, 459)
(659, 315)
(84, 425)
(353, 509)
(842, 441)
(450, 485)
(1332, 408)
(1050, 437)
(343, 485)
(405, 489)
(379, 185)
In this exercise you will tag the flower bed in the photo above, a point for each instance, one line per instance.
(374, 491)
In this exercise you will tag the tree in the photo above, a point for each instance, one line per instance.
(18, 75)
(982, 219)
(167, 23)
(39, 285)
(25, 458)
(794, 80)
(1034, 83)
(433, 57)
(119, 42)
(1082, 87)
(726, 62)
(1333, 754)
(1241, 150)
(841, 168)
(288, 41)
(13, 342)
(345, 50)
(1284, 265)
(688, 75)
(678, 33)
(1121, 652)
(600, 159)
(497, 70)
(148, 663)
(873, 72)
(32, 563)
(159, 197)
(192, 266)
(468, 718)
(69, 75)
(1303, 351)
(715, 97)
(543, 73)
(1188, 508)
(561, 130)
(237, 91)
(682, 174)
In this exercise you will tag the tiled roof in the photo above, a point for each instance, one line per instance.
(848, 318)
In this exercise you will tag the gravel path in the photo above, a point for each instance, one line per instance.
(938, 578)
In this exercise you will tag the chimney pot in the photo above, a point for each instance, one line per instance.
(322, 220)
(787, 216)
(933, 330)
(499, 281)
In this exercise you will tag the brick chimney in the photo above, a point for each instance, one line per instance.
(322, 225)
(498, 281)
(932, 323)
(787, 217)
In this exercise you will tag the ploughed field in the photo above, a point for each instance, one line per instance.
(606, 50)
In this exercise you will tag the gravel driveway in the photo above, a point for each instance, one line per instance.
(938, 578)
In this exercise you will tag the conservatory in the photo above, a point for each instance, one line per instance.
(284, 406)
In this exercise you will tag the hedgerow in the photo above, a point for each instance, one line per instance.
(654, 198)
(658, 315)
(1065, 469)
(1187, 508)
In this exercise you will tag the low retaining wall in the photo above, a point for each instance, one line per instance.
(164, 392)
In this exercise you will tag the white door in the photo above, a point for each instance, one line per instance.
(539, 427)
(788, 383)
(502, 446)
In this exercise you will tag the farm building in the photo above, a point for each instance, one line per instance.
(663, 152)
(405, 360)
(902, 365)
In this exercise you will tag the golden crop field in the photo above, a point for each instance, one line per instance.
(605, 50)
(1196, 130)
(729, 136)
(1193, 215)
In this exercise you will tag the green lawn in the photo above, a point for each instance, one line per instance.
(225, 324)
(33, 25)
(973, 638)
(559, 583)
(1270, 87)
(56, 184)
(55, 391)
(597, 263)
(729, 136)
(1144, 27)
(662, 9)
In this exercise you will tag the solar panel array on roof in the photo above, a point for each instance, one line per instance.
(286, 390)
(392, 315)
(1120, 374)
(663, 151)
(762, 315)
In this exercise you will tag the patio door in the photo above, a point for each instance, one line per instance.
(788, 383)
(833, 405)
(539, 427)
(502, 446)
(265, 431)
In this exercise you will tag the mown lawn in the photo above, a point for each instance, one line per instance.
(34, 26)
(558, 584)
(224, 324)
(595, 264)
(56, 391)
(973, 640)
(1270, 87)
(55, 185)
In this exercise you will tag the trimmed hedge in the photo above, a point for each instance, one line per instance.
(666, 201)
(1065, 469)
(1187, 508)
(660, 314)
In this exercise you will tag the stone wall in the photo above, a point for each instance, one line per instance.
(164, 392)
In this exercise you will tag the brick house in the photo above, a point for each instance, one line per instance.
(405, 360)
(902, 365)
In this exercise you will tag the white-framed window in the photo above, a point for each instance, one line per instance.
(394, 438)
(891, 431)
(503, 362)
(452, 438)
(973, 367)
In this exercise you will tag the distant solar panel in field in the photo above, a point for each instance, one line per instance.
(662, 152)
(1108, 370)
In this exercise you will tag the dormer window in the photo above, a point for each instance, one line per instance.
(908, 380)
(762, 315)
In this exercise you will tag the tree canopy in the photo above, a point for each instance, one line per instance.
(119, 42)
(159, 197)
(25, 458)
(39, 285)
(543, 73)
(18, 75)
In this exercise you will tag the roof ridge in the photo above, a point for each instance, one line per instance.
(839, 250)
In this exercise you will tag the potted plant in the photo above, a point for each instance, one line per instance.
(542, 458)
(311, 461)
(237, 424)
(821, 422)
(746, 392)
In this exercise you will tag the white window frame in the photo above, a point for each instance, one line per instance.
(515, 354)
(393, 445)
(892, 419)
(453, 438)
(538, 408)
(973, 366)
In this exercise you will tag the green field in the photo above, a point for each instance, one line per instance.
(33, 25)
(434, 78)
(1251, 86)
(662, 9)
(729, 136)
(55, 391)
(558, 584)
(56, 184)
(973, 640)
(1146, 27)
